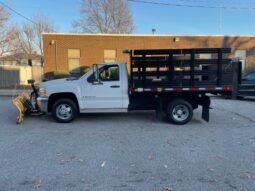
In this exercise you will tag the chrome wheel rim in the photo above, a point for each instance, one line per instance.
(180, 112)
(64, 111)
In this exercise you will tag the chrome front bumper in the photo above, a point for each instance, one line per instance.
(43, 104)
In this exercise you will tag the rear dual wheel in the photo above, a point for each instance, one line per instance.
(179, 111)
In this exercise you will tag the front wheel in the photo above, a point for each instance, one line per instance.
(179, 111)
(64, 110)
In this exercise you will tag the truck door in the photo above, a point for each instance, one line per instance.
(106, 94)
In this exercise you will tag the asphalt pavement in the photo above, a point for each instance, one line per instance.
(133, 151)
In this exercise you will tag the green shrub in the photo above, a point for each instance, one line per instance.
(61, 74)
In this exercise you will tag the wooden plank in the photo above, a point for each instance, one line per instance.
(180, 51)
(192, 61)
(235, 83)
(131, 68)
(219, 72)
(197, 62)
(167, 69)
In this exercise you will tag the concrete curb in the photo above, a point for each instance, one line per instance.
(12, 92)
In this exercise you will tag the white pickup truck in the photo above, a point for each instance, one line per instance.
(67, 97)
(157, 81)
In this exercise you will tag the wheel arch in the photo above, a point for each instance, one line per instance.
(56, 96)
(193, 99)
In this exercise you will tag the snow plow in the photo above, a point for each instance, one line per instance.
(27, 104)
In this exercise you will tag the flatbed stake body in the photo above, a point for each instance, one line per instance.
(172, 82)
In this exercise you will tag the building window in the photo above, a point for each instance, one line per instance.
(241, 54)
(74, 53)
(109, 55)
(74, 60)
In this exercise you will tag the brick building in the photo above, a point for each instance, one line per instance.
(73, 52)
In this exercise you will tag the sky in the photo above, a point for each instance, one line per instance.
(237, 18)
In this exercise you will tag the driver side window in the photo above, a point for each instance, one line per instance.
(109, 73)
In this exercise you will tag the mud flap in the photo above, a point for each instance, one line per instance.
(206, 108)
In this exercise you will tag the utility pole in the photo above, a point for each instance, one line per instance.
(220, 19)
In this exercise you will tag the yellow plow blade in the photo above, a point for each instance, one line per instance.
(21, 102)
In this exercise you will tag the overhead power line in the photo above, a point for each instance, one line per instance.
(190, 6)
(215, 1)
(17, 13)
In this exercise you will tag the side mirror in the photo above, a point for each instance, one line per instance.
(95, 72)
(96, 79)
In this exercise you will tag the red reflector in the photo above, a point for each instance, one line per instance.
(227, 88)
(193, 89)
(177, 89)
(209, 88)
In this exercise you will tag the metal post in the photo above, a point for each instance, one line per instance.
(170, 69)
(235, 80)
(54, 42)
(159, 107)
(192, 63)
(56, 53)
(143, 72)
(131, 68)
(219, 70)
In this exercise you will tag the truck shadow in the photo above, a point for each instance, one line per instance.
(132, 117)
(148, 116)
(251, 99)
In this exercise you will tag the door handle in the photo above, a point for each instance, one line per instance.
(115, 86)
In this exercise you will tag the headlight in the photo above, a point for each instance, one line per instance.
(43, 92)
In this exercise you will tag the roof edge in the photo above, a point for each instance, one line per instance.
(148, 35)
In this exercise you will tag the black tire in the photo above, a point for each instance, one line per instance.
(182, 106)
(70, 110)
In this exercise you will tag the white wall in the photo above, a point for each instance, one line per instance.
(25, 73)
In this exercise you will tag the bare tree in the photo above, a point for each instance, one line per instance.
(28, 36)
(105, 16)
(4, 16)
(42, 25)
(6, 32)
(25, 38)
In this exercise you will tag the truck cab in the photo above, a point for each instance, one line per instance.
(102, 89)
(105, 89)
